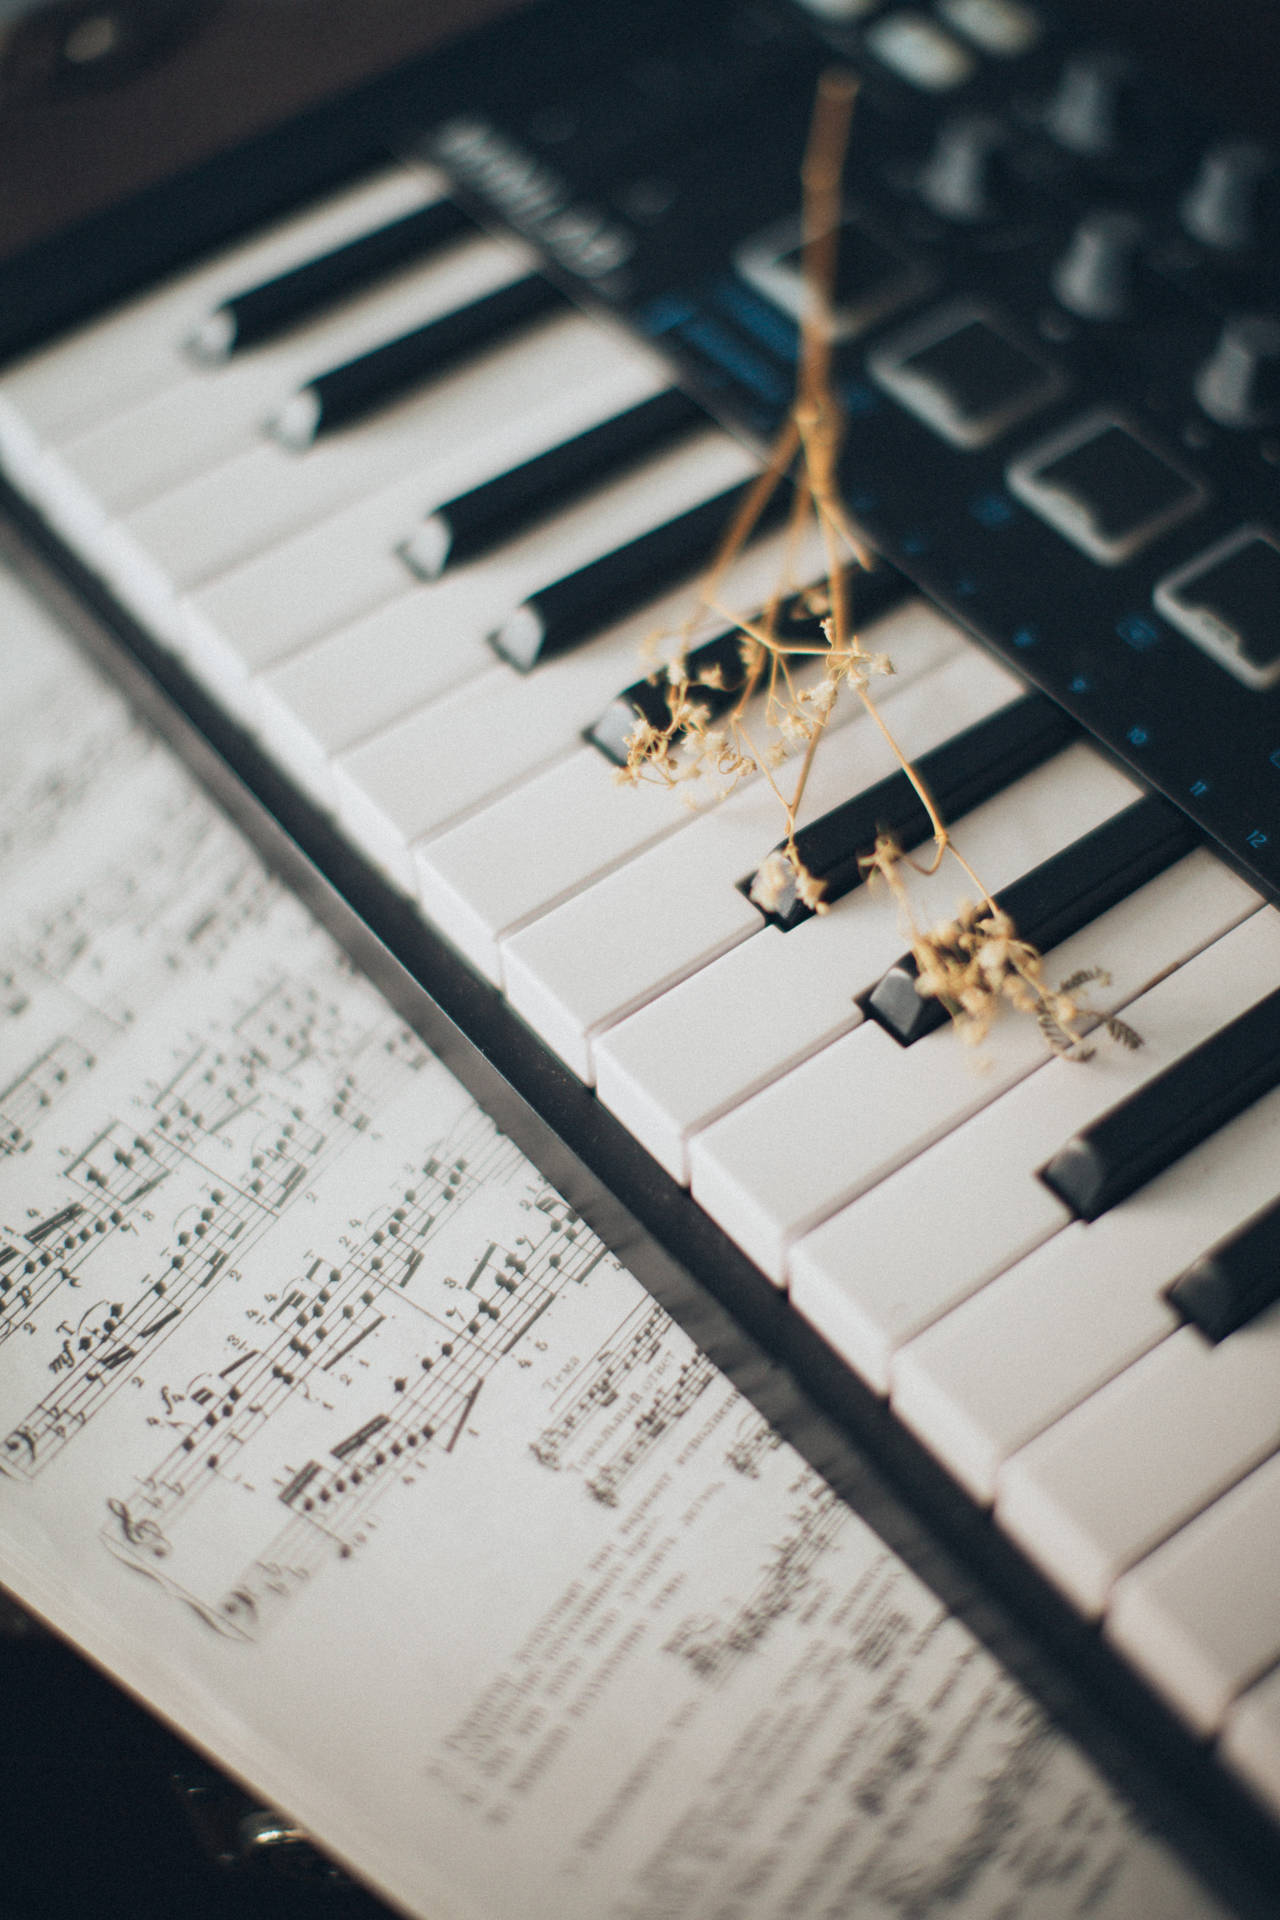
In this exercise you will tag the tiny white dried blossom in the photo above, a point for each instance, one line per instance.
(774, 877)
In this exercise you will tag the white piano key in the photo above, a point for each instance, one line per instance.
(848, 1117)
(566, 826)
(117, 360)
(1200, 1617)
(329, 696)
(523, 855)
(341, 565)
(337, 692)
(416, 777)
(238, 509)
(767, 1005)
(677, 907)
(1052, 1329)
(1143, 1456)
(204, 418)
(880, 1271)
(173, 543)
(1251, 1739)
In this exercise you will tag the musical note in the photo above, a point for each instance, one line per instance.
(712, 1648)
(143, 1535)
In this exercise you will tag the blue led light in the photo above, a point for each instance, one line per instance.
(1137, 631)
(1137, 736)
(764, 322)
(738, 361)
(992, 510)
(1198, 789)
(1257, 838)
(1028, 637)
(664, 314)
(858, 399)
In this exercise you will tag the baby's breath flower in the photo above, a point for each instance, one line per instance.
(975, 963)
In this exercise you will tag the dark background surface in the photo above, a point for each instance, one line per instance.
(200, 74)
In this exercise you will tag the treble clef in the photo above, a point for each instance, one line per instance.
(143, 1534)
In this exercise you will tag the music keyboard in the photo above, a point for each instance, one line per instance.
(890, 1192)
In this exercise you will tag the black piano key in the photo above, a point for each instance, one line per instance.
(1232, 1283)
(1053, 901)
(720, 659)
(503, 507)
(342, 395)
(962, 772)
(1182, 1106)
(870, 595)
(262, 312)
(580, 604)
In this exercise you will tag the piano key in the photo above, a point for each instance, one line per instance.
(1052, 1329)
(136, 349)
(197, 423)
(342, 693)
(1058, 898)
(965, 769)
(847, 1118)
(326, 698)
(262, 311)
(1143, 1456)
(1235, 1280)
(524, 854)
(1155, 1126)
(237, 511)
(676, 907)
(1251, 1738)
(715, 669)
(564, 827)
(717, 665)
(503, 506)
(879, 1271)
(342, 565)
(677, 1064)
(346, 392)
(413, 779)
(561, 615)
(1200, 1617)
(416, 777)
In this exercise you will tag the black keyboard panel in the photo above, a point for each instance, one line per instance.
(1061, 421)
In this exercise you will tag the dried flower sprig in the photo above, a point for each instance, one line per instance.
(975, 963)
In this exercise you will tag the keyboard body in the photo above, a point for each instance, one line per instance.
(1062, 444)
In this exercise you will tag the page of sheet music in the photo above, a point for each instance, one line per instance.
(329, 1429)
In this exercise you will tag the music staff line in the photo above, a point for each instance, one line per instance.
(328, 1501)
(209, 1092)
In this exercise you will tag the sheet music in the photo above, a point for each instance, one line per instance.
(329, 1428)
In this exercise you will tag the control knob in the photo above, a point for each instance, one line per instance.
(956, 180)
(1094, 277)
(1084, 113)
(1239, 384)
(1220, 207)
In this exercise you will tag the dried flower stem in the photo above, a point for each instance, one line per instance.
(976, 961)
